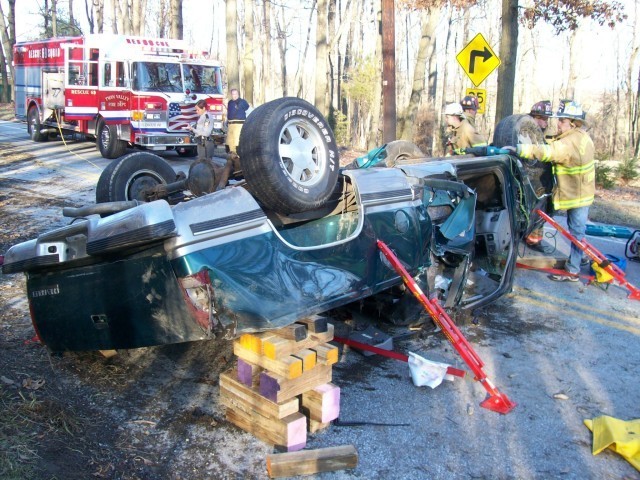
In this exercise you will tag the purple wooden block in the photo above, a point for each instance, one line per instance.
(245, 372)
(269, 387)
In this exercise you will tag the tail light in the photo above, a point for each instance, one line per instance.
(198, 295)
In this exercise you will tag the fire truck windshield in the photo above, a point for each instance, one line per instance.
(202, 78)
(156, 77)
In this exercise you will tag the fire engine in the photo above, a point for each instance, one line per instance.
(121, 90)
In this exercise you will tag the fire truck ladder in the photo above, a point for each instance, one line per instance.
(497, 402)
(595, 255)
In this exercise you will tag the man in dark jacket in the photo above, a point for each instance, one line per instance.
(236, 115)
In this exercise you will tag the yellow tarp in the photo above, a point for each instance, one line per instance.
(620, 436)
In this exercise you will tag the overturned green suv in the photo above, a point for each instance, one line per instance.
(281, 234)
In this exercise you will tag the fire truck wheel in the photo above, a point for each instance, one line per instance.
(515, 129)
(128, 177)
(33, 126)
(109, 144)
(289, 156)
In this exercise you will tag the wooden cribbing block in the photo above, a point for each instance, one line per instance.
(289, 432)
(247, 371)
(277, 388)
(308, 358)
(295, 332)
(238, 396)
(253, 341)
(326, 354)
(286, 366)
(315, 324)
(317, 426)
(322, 402)
(308, 462)
(275, 348)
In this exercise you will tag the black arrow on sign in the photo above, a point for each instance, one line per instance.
(484, 54)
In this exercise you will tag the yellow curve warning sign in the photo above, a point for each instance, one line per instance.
(478, 60)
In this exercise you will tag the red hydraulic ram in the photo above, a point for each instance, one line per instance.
(497, 402)
(595, 255)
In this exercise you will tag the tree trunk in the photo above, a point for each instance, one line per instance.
(321, 57)
(164, 15)
(508, 56)
(99, 8)
(248, 52)
(282, 48)
(177, 28)
(233, 72)
(299, 77)
(115, 8)
(438, 132)
(573, 67)
(8, 38)
(373, 137)
(54, 17)
(6, 88)
(72, 21)
(331, 25)
(266, 62)
(426, 48)
(90, 17)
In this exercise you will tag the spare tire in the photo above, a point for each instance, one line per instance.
(289, 156)
(515, 129)
(402, 152)
(128, 177)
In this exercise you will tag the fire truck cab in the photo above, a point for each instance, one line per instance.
(123, 91)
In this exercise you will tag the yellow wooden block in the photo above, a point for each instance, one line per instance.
(289, 367)
(308, 358)
(327, 354)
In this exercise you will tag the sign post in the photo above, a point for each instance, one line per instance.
(478, 60)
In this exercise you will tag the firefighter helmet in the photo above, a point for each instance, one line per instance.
(469, 103)
(542, 109)
(572, 110)
(454, 109)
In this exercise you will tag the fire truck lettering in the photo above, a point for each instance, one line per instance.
(80, 92)
(110, 98)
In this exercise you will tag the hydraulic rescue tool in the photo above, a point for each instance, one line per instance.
(497, 401)
(601, 260)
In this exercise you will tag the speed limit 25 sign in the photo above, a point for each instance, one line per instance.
(480, 94)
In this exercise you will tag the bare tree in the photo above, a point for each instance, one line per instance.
(177, 28)
(508, 55)
(429, 20)
(8, 38)
(267, 89)
(321, 56)
(247, 63)
(138, 9)
(282, 38)
(233, 60)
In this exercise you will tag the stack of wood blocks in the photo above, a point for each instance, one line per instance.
(281, 387)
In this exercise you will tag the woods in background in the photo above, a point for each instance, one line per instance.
(329, 52)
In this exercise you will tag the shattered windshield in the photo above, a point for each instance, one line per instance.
(156, 77)
(202, 78)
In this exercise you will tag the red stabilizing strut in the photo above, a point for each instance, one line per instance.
(390, 354)
(595, 255)
(497, 402)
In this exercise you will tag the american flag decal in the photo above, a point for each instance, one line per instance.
(180, 116)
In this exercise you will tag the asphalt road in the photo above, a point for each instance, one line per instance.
(563, 352)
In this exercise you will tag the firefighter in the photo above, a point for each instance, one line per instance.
(461, 133)
(236, 115)
(541, 112)
(470, 108)
(571, 154)
(202, 132)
